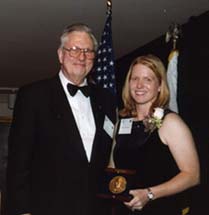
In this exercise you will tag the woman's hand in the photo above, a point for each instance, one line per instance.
(140, 199)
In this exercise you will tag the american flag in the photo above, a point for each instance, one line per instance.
(104, 65)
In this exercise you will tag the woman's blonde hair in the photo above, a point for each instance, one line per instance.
(156, 65)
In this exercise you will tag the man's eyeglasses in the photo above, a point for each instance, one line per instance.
(76, 51)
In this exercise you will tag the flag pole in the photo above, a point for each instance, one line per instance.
(109, 5)
(174, 33)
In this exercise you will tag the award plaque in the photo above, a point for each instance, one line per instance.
(116, 183)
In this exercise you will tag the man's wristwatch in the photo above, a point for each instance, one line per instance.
(150, 194)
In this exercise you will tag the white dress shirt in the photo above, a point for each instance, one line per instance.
(83, 114)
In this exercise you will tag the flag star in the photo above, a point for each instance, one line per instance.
(111, 63)
(104, 77)
(99, 69)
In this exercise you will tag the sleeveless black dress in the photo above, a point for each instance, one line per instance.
(144, 152)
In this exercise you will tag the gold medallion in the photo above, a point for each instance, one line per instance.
(117, 184)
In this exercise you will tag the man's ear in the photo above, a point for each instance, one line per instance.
(60, 55)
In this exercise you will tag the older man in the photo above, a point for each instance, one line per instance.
(60, 136)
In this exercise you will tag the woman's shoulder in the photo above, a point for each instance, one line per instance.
(168, 111)
(173, 127)
(170, 115)
(172, 121)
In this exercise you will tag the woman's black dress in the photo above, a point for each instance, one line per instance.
(145, 153)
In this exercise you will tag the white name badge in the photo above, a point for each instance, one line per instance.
(125, 126)
(108, 126)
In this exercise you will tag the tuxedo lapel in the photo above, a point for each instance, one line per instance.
(99, 120)
(62, 111)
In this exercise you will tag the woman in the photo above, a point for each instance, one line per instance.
(155, 142)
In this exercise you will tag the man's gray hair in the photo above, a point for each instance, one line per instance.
(78, 27)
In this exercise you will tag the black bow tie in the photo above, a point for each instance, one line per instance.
(73, 89)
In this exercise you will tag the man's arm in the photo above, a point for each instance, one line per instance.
(20, 141)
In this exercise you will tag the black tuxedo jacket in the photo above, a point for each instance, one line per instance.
(48, 171)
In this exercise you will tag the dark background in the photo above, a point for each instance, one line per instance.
(4, 129)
